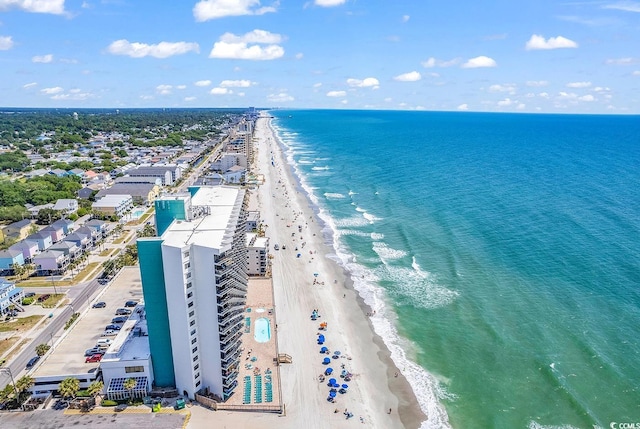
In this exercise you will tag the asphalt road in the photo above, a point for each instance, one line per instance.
(52, 419)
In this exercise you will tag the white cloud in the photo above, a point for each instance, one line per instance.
(636, 73)
(344, 101)
(363, 83)
(146, 97)
(408, 77)
(281, 97)
(434, 62)
(6, 43)
(464, 106)
(42, 58)
(241, 94)
(29, 85)
(202, 83)
(255, 36)
(578, 84)
(220, 91)
(181, 86)
(237, 47)
(521, 106)
(236, 83)
(329, 3)
(587, 97)
(506, 102)
(161, 50)
(299, 56)
(543, 95)
(601, 89)
(621, 61)
(68, 61)
(627, 6)
(317, 85)
(507, 87)
(336, 93)
(205, 10)
(405, 18)
(388, 100)
(537, 42)
(478, 62)
(537, 83)
(55, 7)
(52, 91)
(190, 98)
(164, 89)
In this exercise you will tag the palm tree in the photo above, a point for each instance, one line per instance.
(129, 385)
(41, 349)
(23, 384)
(95, 388)
(69, 387)
(7, 393)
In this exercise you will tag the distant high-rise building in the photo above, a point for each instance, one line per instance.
(194, 281)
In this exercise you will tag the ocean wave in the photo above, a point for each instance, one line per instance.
(352, 193)
(536, 425)
(305, 161)
(376, 236)
(334, 195)
(350, 222)
(326, 167)
(414, 288)
(353, 232)
(387, 253)
(371, 218)
(428, 390)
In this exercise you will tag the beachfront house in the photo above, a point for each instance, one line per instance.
(29, 249)
(18, 230)
(56, 232)
(9, 258)
(113, 205)
(10, 296)
(100, 226)
(81, 240)
(66, 225)
(42, 238)
(257, 254)
(51, 262)
(66, 206)
(69, 248)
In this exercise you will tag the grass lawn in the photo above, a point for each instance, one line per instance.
(21, 324)
(107, 252)
(6, 344)
(43, 282)
(82, 275)
(121, 239)
(52, 301)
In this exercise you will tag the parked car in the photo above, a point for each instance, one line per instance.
(123, 311)
(120, 407)
(109, 333)
(29, 294)
(131, 303)
(32, 362)
(93, 351)
(100, 304)
(119, 319)
(103, 281)
(103, 341)
(113, 327)
(93, 358)
(44, 297)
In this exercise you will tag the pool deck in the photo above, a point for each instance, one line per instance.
(258, 358)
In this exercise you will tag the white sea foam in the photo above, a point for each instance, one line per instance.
(334, 196)
(386, 253)
(361, 210)
(376, 236)
(354, 232)
(305, 161)
(351, 222)
(326, 167)
(371, 218)
(352, 193)
(428, 390)
(420, 289)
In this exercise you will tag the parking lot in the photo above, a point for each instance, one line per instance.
(68, 353)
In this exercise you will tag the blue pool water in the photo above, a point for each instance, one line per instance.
(262, 330)
(137, 213)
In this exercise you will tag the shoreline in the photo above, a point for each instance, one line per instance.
(406, 403)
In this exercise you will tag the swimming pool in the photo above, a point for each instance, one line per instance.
(137, 213)
(262, 330)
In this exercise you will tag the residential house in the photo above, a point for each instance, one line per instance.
(58, 172)
(85, 193)
(69, 248)
(66, 206)
(8, 258)
(56, 232)
(18, 230)
(138, 180)
(100, 226)
(163, 173)
(42, 238)
(77, 172)
(113, 205)
(234, 174)
(141, 193)
(51, 262)
(66, 225)
(83, 241)
(29, 249)
(89, 232)
(253, 220)
(36, 173)
(9, 295)
(35, 210)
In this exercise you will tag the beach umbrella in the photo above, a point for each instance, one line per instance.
(337, 353)
(326, 361)
(323, 350)
(321, 337)
(332, 394)
(345, 386)
(328, 371)
(315, 274)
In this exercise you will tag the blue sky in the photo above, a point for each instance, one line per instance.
(502, 55)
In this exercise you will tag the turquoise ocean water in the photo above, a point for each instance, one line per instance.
(501, 253)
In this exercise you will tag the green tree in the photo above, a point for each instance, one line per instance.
(95, 388)
(42, 349)
(69, 387)
(7, 394)
(23, 384)
(48, 216)
(130, 384)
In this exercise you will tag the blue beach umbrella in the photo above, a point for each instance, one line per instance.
(328, 371)
(332, 394)
(324, 350)
(326, 361)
